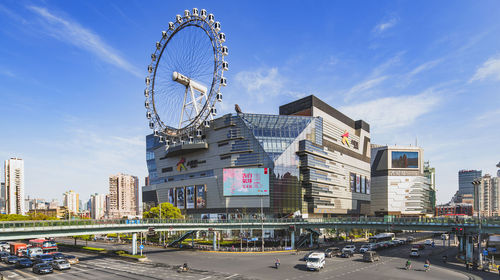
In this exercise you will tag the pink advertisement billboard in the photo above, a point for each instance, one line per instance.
(246, 181)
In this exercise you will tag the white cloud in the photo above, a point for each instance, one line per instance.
(393, 112)
(489, 69)
(363, 87)
(268, 81)
(383, 26)
(424, 67)
(71, 32)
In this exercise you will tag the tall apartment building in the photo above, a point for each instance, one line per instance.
(2, 197)
(98, 206)
(465, 178)
(123, 195)
(430, 174)
(399, 186)
(71, 202)
(14, 186)
(487, 196)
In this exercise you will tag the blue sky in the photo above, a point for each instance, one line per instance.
(72, 78)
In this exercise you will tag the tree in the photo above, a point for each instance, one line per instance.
(168, 211)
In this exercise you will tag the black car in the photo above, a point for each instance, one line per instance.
(347, 254)
(11, 260)
(58, 256)
(24, 262)
(4, 256)
(333, 251)
(42, 268)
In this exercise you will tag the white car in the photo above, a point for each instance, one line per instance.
(61, 264)
(365, 248)
(428, 242)
(350, 248)
(316, 261)
(415, 253)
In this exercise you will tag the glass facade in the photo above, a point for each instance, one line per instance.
(151, 144)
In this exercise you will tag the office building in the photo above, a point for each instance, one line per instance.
(71, 200)
(123, 196)
(399, 185)
(487, 196)
(310, 158)
(465, 178)
(97, 206)
(14, 186)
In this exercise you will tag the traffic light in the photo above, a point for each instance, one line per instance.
(457, 230)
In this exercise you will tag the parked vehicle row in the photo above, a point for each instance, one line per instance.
(42, 264)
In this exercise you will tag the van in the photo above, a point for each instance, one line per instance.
(316, 261)
(370, 256)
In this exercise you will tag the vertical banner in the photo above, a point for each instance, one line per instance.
(180, 194)
(367, 186)
(358, 183)
(171, 196)
(363, 184)
(353, 182)
(189, 197)
(201, 196)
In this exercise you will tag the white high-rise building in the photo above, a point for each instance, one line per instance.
(72, 202)
(98, 206)
(14, 186)
(123, 196)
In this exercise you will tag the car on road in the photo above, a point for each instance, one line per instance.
(11, 260)
(316, 261)
(72, 259)
(332, 251)
(346, 254)
(42, 268)
(415, 253)
(24, 262)
(349, 248)
(45, 258)
(365, 248)
(4, 256)
(60, 264)
(400, 241)
(428, 242)
(58, 256)
(418, 246)
(410, 239)
(371, 256)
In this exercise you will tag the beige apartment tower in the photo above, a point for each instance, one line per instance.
(123, 196)
(14, 186)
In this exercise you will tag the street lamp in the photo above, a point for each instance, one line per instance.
(476, 184)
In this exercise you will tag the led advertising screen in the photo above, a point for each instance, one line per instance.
(180, 194)
(189, 197)
(246, 181)
(201, 196)
(358, 183)
(404, 159)
(171, 196)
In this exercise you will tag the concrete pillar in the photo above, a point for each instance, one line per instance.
(292, 238)
(311, 240)
(469, 248)
(134, 243)
(215, 241)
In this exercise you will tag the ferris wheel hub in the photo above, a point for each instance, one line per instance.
(184, 80)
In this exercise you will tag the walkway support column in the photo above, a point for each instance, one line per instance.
(134, 243)
(292, 238)
(311, 240)
(469, 248)
(215, 241)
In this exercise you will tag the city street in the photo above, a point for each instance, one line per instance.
(260, 266)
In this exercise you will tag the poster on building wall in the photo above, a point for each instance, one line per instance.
(363, 184)
(353, 182)
(189, 197)
(201, 196)
(402, 159)
(180, 194)
(367, 186)
(358, 183)
(171, 196)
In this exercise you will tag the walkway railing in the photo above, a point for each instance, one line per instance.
(266, 221)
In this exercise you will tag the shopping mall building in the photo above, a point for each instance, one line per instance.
(310, 158)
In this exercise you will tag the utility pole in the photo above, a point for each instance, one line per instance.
(476, 184)
(262, 221)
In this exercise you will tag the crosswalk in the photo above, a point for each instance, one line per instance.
(97, 268)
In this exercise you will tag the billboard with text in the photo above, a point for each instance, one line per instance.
(246, 181)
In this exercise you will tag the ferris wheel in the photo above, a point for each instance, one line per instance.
(185, 78)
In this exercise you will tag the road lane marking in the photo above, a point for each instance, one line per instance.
(231, 276)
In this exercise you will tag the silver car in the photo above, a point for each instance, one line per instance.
(61, 264)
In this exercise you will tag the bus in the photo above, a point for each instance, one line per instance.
(381, 237)
(47, 246)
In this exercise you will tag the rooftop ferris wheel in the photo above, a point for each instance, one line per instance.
(185, 78)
